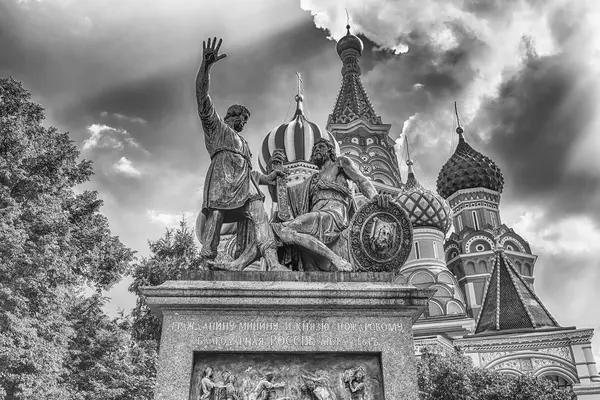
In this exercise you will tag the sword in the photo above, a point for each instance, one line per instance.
(284, 213)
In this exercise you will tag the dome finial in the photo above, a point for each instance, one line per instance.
(347, 22)
(459, 128)
(299, 97)
(409, 160)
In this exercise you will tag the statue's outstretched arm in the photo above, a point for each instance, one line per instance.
(353, 173)
(210, 55)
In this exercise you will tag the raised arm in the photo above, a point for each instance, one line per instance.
(210, 55)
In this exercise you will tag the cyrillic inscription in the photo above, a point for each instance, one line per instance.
(301, 334)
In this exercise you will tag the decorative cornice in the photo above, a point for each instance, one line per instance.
(474, 190)
(517, 341)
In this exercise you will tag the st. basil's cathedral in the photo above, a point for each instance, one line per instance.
(483, 271)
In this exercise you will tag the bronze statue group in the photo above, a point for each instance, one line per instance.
(321, 206)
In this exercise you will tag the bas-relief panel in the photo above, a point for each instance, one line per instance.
(271, 376)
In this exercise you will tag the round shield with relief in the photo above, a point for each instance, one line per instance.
(380, 238)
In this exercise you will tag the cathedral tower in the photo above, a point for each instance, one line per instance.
(357, 128)
(472, 183)
(425, 267)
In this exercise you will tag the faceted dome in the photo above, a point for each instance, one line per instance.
(468, 169)
(349, 41)
(296, 138)
(424, 207)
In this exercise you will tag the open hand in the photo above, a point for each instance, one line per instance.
(210, 51)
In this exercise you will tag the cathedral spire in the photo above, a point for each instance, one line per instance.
(352, 102)
(409, 161)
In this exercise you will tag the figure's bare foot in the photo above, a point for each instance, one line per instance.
(343, 265)
(205, 263)
(277, 267)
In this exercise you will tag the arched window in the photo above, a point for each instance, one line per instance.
(417, 251)
(558, 380)
(518, 266)
(470, 268)
(435, 249)
(453, 308)
(475, 221)
(481, 267)
(493, 218)
(460, 223)
(435, 309)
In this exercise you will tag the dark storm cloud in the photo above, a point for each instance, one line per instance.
(536, 121)
(426, 80)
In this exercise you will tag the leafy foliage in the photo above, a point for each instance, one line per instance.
(170, 255)
(453, 377)
(104, 363)
(53, 240)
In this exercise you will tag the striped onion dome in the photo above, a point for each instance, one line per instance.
(296, 138)
(424, 207)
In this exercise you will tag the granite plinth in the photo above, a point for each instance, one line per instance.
(243, 325)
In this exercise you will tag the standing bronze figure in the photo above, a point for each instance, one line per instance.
(231, 191)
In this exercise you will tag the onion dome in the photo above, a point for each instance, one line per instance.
(296, 138)
(468, 169)
(424, 207)
(349, 41)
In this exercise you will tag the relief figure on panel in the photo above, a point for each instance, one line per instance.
(266, 389)
(207, 386)
(231, 187)
(322, 207)
(354, 381)
(318, 386)
(286, 376)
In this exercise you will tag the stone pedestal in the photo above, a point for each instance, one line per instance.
(316, 332)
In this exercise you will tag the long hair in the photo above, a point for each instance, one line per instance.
(330, 150)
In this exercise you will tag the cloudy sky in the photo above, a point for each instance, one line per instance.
(119, 76)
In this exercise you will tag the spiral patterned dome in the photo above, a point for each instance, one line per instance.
(468, 169)
(296, 138)
(424, 207)
(349, 41)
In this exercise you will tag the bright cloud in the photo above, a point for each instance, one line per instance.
(104, 136)
(167, 219)
(393, 25)
(571, 235)
(125, 167)
(136, 120)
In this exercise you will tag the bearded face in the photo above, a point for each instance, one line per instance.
(382, 239)
(320, 154)
(238, 122)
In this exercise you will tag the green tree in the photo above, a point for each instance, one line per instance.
(169, 257)
(453, 377)
(53, 241)
(104, 363)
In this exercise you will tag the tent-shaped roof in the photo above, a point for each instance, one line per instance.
(510, 303)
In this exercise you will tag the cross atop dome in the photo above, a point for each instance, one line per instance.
(295, 137)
